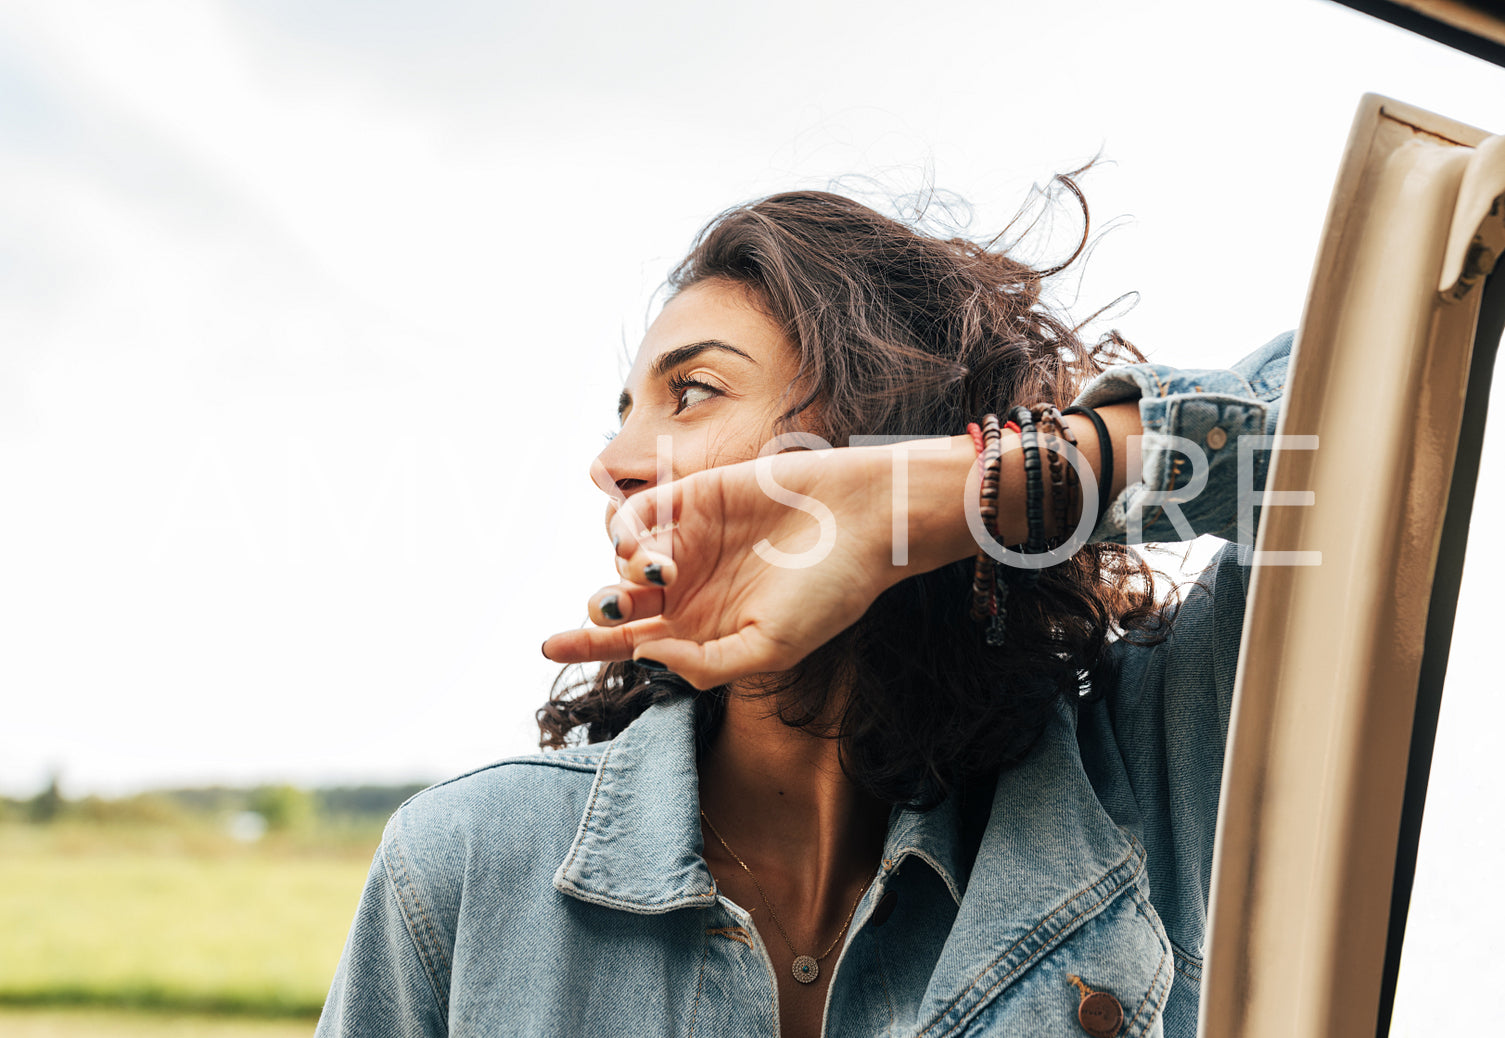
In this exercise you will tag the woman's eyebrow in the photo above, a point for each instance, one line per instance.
(670, 359)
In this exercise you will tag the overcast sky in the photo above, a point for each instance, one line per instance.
(313, 313)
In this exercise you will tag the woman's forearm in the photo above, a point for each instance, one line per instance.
(710, 614)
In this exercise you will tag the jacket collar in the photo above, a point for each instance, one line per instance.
(931, 836)
(639, 846)
(1049, 856)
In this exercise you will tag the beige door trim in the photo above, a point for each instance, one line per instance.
(1329, 663)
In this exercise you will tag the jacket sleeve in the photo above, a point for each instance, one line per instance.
(1153, 747)
(1199, 427)
(387, 984)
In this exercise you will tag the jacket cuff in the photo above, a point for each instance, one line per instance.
(1193, 421)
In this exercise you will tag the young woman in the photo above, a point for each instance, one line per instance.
(809, 792)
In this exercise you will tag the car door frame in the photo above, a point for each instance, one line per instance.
(1352, 602)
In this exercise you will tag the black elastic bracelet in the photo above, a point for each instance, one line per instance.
(1105, 460)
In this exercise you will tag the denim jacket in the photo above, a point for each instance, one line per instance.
(565, 894)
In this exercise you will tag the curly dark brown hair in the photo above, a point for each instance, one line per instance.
(903, 333)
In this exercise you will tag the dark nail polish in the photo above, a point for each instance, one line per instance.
(654, 573)
(647, 664)
(542, 649)
(610, 609)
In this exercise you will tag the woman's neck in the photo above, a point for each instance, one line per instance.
(779, 798)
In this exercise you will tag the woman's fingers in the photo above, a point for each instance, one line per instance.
(648, 567)
(646, 521)
(748, 651)
(706, 665)
(644, 556)
(602, 644)
(619, 603)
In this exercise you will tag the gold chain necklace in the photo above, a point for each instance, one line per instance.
(806, 968)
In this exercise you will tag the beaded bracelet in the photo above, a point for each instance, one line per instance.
(998, 591)
(1051, 445)
(986, 439)
(1034, 497)
(1065, 487)
(989, 593)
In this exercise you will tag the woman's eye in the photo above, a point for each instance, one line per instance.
(692, 393)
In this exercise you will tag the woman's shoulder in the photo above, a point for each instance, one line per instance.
(506, 777)
(516, 816)
(501, 794)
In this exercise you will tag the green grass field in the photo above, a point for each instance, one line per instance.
(106, 1023)
(173, 920)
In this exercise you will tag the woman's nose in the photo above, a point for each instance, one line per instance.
(624, 466)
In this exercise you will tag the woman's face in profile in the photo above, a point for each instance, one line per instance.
(711, 374)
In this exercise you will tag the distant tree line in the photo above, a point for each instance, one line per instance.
(282, 806)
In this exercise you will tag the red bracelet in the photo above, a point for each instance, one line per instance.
(975, 431)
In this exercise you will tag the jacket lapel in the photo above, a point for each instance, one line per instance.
(1050, 859)
(639, 846)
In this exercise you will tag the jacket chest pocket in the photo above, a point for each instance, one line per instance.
(1109, 979)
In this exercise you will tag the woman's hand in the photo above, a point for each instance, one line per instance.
(759, 563)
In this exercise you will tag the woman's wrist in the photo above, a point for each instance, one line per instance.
(938, 495)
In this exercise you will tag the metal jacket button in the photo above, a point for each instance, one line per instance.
(885, 907)
(1100, 1015)
(1098, 1012)
(1217, 437)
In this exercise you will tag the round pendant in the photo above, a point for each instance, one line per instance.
(806, 969)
